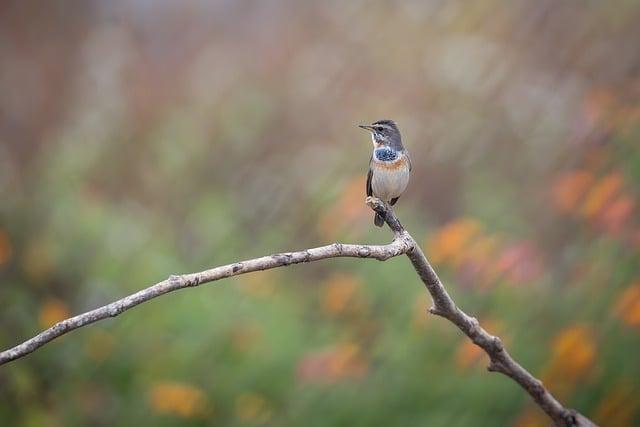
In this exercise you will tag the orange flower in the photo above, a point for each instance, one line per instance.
(179, 399)
(340, 293)
(570, 188)
(573, 354)
(601, 194)
(628, 305)
(52, 312)
(338, 363)
(449, 244)
(575, 347)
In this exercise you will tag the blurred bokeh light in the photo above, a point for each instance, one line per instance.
(140, 139)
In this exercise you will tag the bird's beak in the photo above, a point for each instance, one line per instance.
(366, 127)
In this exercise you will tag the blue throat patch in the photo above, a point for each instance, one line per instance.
(386, 154)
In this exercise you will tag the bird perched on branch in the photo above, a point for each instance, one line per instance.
(390, 165)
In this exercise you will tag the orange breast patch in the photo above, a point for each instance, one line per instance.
(398, 164)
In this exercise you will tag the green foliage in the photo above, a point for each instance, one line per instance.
(178, 140)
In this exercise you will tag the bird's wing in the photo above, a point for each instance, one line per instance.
(406, 153)
(369, 176)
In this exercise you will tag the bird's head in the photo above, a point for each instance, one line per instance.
(384, 133)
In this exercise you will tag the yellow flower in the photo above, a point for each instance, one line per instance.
(573, 354)
(179, 399)
(575, 348)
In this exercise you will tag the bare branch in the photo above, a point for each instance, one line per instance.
(400, 245)
(403, 243)
(501, 361)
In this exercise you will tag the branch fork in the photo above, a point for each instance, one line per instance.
(402, 244)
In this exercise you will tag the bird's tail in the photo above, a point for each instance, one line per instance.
(378, 220)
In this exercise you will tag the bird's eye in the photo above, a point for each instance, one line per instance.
(378, 128)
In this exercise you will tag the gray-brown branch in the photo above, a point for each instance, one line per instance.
(403, 243)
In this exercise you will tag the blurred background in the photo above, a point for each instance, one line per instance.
(140, 139)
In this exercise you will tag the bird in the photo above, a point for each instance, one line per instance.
(389, 166)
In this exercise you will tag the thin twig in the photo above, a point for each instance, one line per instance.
(403, 243)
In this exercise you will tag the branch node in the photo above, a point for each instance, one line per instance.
(443, 305)
(435, 311)
(115, 310)
(473, 328)
(408, 241)
(497, 344)
(495, 366)
(474, 322)
(571, 418)
(364, 252)
(284, 259)
(538, 387)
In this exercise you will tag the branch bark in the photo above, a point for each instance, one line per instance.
(500, 360)
(402, 243)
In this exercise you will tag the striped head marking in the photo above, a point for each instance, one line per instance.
(385, 133)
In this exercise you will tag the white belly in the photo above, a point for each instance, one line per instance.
(387, 184)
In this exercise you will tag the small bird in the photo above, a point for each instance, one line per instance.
(390, 165)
